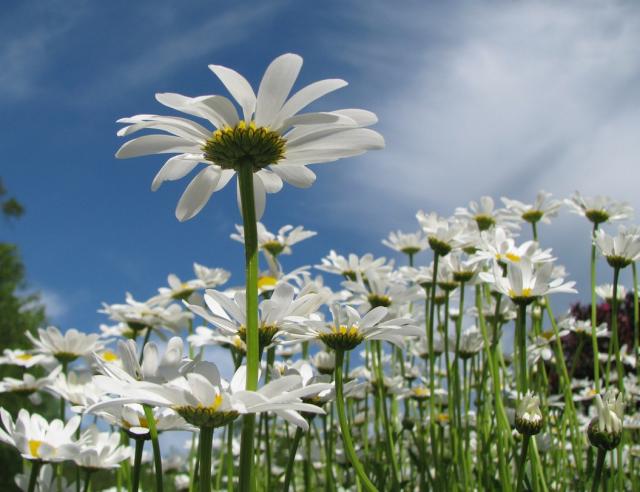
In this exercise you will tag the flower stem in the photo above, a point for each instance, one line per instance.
(206, 440)
(292, 458)
(389, 441)
(33, 477)
(614, 332)
(344, 426)
(594, 339)
(147, 336)
(598, 473)
(522, 462)
(157, 456)
(137, 462)
(521, 340)
(245, 178)
(87, 481)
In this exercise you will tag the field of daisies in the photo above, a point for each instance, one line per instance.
(446, 371)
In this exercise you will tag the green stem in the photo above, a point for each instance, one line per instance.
(87, 481)
(292, 458)
(389, 441)
(594, 339)
(344, 426)
(636, 317)
(598, 473)
(245, 179)
(147, 336)
(157, 456)
(137, 463)
(521, 340)
(522, 462)
(230, 457)
(33, 477)
(614, 332)
(206, 440)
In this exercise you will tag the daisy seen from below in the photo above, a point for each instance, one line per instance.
(270, 142)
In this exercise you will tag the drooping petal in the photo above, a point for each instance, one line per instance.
(156, 144)
(296, 175)
(197, 194)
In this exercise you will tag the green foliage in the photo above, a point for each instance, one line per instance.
(19, 313)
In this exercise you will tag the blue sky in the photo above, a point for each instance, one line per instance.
(474, 98)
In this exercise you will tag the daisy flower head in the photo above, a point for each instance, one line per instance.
(373, 289)
(348, 328)
(541, 210)
(620, 250)
(25, 358)
(29, 385)
(498, 245)
(526, 281)
(100, 450)
(471, 342)
(485, 215)
(206, 278)
(279, 243)
(349, 266)
(65, 347)
(270, 140)
(605, 292)
(407, 243)
(204, 399)
(132, 419)
(152, 314)
(529, 418)
(276, 315)
(599, 209)
(605, 431)
(38, 440)
(443, 234)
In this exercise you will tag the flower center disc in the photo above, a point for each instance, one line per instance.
(231, 148)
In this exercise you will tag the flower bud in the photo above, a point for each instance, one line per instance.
(529, 418)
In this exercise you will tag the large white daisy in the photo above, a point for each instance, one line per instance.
(270, 136)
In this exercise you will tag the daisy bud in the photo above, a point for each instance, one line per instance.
(529, 418)
(605, 430)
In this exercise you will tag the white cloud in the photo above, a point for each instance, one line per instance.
(480, 99)
(54, 304)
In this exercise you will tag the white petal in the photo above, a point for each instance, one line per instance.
(271, 181)
(296, 175)
(351, 138)
(307, 95)
(219, 110)
(197, 194)
(175, 168)
(275, 86)
(238, 87)
(156, 144)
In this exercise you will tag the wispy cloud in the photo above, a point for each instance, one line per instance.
(55, 305)
(29, 34)
(499, 101)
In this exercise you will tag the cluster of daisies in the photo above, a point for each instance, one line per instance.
(415, 355)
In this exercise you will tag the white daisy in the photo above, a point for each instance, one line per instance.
(485, 215)
(206, 278)
(25, 358)
(270, 138)
(540, 211)
(620, 250)
(605, 292)
(275, 315)
(65, 347)
(599, 209)
(276, 244)
(348, 267)
(525, 281)
(408, 243)
(37, 439)
(100, 450)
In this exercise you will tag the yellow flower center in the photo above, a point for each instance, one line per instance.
(109, 356)
(244, 144)
(34, 448)
(24, 357)
(512, 257)
(344, 330)
(217, 401)
(525, 293)
(267, 281)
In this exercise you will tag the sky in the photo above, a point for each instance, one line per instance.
(473, 98)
